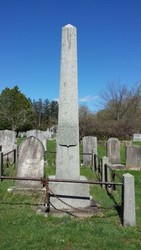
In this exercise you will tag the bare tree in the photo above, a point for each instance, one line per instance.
(122, 110)
(86, 121)
(119, 101)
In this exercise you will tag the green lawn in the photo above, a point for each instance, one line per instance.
(21, 228)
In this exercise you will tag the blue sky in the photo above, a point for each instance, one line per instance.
(109, 45)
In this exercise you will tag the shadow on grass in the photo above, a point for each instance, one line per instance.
(21, 203)
(117, 206)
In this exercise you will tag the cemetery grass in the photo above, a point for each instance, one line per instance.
(21, 228)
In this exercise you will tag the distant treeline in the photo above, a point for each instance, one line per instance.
(120, 115)
(19, 113)
(45, 113)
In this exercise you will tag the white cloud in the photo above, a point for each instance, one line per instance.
(85, 99)
(88, 98)
(56, 99)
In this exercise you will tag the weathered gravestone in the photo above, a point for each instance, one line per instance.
(31, 162)
(113, 150)
(89, 147)
(133, 157)
(136, 137)
(67, 159)
(129, 204)
(7, 140)
(48, 134)
(21, 134)
(8, 144)
(38, 134)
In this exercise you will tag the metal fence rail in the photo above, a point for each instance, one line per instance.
(7, 160)
(126, 203)
(104, 171)
(49, 193)
(47, 180)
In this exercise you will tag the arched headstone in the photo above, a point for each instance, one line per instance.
(89, 145)
(38, 134)
(113, 150)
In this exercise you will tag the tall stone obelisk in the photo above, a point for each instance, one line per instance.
(67, 158)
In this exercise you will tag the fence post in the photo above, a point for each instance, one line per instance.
(1, 164)
(15, 155)
(109, 188)
(104, 161)
(94, 160)
(129, 212)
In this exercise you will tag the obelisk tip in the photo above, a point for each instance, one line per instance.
(69, 26)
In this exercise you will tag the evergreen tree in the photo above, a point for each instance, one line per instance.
(15, 110)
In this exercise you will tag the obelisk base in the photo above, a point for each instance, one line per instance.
(73, 194)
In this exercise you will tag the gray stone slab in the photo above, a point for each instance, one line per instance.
(68, 135)
(67, 162)
(117, 166)
(113, 150)
(129, 211)
(77, 194)
(39, 135)
(136, 137)
(48, 134)
(31, 162)
(7, 140)
(89, 145)
(133, 157)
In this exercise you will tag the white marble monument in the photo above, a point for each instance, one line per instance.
(67, 159)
